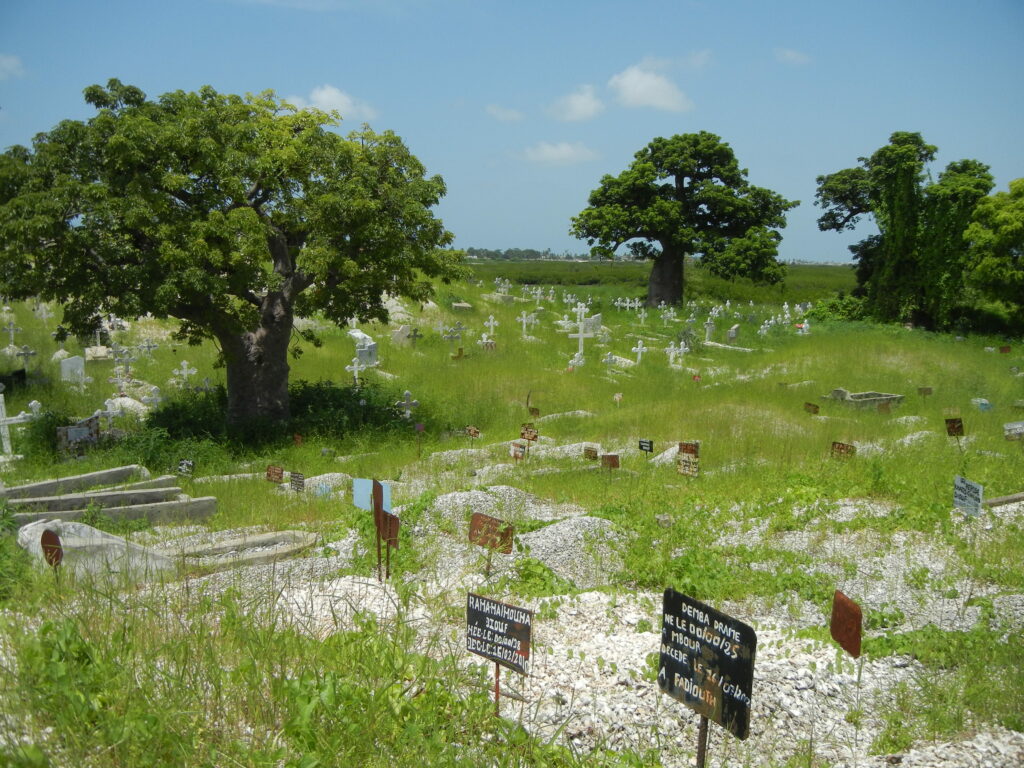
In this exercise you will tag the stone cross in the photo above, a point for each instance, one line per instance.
(577, 360)
(11, 329)
(118, 379)
(6, 421)
(639, 349)
(154, 398)
(355, 369)
(407, 404)
(485, 341)
(491, 324)
(524, 320)
(204, 386)
(642, 315)
(147, 347)
(673, 352)
(668, 315)
(709, 328)
(580, 334)
(25, 353)
(44, 313)
(609, 360)
(415, 334)
(183, 372)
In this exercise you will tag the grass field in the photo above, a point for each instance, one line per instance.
(101, 674)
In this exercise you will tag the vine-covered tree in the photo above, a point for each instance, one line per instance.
(913, 268)
(233, 215)
(996, 240)
(682, 197)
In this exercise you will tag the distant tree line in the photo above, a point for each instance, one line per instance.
(526, 254)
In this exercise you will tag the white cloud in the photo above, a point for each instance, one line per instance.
(327, 98)
(789, 56)
(10, 66)
(581, 104)
(562, 153)
(640, 86)
(504, 114)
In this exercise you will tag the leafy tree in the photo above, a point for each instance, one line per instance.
(996, 240)
(681, 197)
(233, 215)
(912, 269)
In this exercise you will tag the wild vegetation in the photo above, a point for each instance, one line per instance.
(110, 674)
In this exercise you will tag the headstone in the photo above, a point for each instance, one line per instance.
(1004, 350)
(72, 369)
(499, 632)
(589, 452)
(367, 353)
(491, 533)
(297, 482)
(517, 450)
(400, 335)
(185, 467)
(846, 623)
(355, 369)
(707, 661)
(967, 495)
(1014, 430)
(709, 329)
(732, 332)
(53, 552)
(688, 459)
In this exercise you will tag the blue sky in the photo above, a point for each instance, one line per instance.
(522, 106)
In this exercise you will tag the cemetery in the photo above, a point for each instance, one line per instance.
(540, 522)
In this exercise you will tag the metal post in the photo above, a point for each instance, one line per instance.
(702, 742)
(497, 689)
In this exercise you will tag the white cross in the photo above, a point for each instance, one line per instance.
(5, 421)
(491, 324)
(119, 378)
(609, 360)
(154, 398)
(524, 319)
(205, 386)
(44, 313)
(147, 347)
(642, 315)
(11, 329)
(484, 340)
(673, 351)
(407, 404)
(25, 353)
(355, 369)
(183, 371)
(639, 349)
(577, 360)
(581, 335)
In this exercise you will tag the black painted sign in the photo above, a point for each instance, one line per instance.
(707, 661)
(647, 446)
(954, 427)
(297, 480)
(499, 632)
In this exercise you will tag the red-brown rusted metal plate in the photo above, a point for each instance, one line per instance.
(528, 433)
(472, 431)
(812, 408)
(843, 450)
(275, 474)
(610, 460)
(955, 427)
(846, 623)
(389, 525)
(490, 532)
(53, 552)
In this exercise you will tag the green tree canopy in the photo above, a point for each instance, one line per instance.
(231, 214)
(996, 239)
(913, 269)
(687, 196)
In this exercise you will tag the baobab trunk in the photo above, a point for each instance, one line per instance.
(666, 280)
(257, 366)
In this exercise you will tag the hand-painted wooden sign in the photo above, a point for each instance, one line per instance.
(1005, 350)
(590, 452)
(53, 552)
(534, 412)
(517, 450)
(499, 632)
(275, 474)
(688, 460)
(954, 427)
(847, 621)
(490, 532)
(297, 480)
(843, 450)
(609, 461)
(707, 661)
(647, 446)
(812, 408)
(529, 433)
(472, 431)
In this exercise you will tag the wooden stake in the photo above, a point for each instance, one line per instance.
(702, 742)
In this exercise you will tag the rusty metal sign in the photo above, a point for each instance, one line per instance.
(472, 431)
(529, 433)
(490, 532)
(53, 552)
(609, 461)
(297, 480)
(707, 661)
(847, 621)
(955, 427)
(1004, 350)
(517, 450)
(275, 474)
(843, 450)
(688, 460)
(590, 452)
(812, 408)
(499, 632)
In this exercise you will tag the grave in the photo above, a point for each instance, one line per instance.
(864, 399)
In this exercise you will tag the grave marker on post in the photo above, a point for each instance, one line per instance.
(501, 633)
(185, 467)
(812, 408)
(967, 495)
(842, 450)
(609, 461)
(647, 446)
(924, 391)
(492, 534)
(589, 452)
(275, 474)
(297, 482)
(846, 623)
(707, 663)
(53, 552)
(688, 459)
